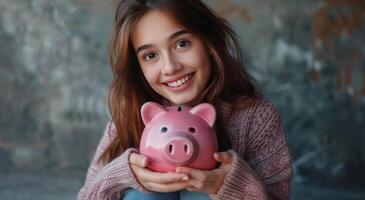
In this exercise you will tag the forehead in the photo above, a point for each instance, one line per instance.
(153, 27)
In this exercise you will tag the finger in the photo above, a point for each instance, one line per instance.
(162, 178)
(223, 157)
(169, 187)
(138, 159)
(191, 189)
(209, 185)
(138, 171)
(194, 173)
(196, 185)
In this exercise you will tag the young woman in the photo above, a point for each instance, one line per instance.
(179, 52)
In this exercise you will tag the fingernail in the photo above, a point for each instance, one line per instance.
(185, 178)
(144, 161)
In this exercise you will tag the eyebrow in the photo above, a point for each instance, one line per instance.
(172, 36)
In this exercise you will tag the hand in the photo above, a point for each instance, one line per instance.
(155, 181)
(208, 181)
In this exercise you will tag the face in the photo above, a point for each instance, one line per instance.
(174, 62)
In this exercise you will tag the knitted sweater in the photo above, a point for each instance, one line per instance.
(261, 167)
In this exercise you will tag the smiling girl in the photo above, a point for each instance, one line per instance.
(179, 52)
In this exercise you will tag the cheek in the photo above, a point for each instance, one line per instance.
(203, 67)
(202, 64)
(197, 60)
(151, 74)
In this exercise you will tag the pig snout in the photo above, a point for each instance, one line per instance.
(180, 150)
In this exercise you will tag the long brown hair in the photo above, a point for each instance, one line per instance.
(129, 89)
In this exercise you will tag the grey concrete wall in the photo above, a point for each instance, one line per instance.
(54, 73)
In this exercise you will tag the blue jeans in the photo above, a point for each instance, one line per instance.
(133, 194)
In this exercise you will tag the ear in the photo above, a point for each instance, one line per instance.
(205, 111)
(149, 110)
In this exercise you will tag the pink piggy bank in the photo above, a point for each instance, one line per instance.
(178, 136)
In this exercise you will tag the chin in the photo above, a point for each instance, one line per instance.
(180, 101)
(185, 101)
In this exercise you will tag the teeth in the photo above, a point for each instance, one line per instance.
(180, 82)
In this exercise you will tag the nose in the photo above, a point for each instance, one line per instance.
(179, 150)
(171, 65)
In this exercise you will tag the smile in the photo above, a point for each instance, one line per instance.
(179, 82)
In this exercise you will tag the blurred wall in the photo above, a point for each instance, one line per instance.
(54, 74)
(307, 56)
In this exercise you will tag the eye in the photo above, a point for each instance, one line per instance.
(163, 130)
(182, 44)
(192, 130)
(149, 56)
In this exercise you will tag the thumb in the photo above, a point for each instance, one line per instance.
(223, 157)
(138, 159)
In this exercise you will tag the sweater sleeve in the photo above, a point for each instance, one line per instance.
(265, 170)
(108, 181)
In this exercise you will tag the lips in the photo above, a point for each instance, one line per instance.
(179, 82)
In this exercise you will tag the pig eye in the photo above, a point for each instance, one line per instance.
(192, 130)
(163, 130)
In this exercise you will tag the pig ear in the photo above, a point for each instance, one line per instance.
(205, 111)
(149, 110)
